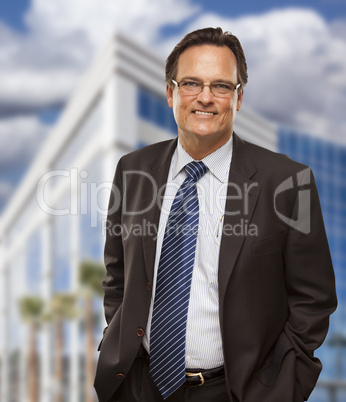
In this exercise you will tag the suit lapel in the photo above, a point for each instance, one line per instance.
(158, 170)
(237, 210)
(241, 178)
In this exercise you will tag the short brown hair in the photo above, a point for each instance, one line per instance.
(208, 36)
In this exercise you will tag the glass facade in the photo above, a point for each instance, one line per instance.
(61, 254)
(34, 263)
(93, 209)
(328, 163)
(154, 108)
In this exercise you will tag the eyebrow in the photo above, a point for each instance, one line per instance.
(199, 80)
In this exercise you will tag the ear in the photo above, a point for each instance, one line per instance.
(169, 95)
(240, 99)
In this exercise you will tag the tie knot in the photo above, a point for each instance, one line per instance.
(195, 170)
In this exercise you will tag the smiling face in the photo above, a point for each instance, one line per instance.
(205, 122)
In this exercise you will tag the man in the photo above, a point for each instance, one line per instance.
(227, 291)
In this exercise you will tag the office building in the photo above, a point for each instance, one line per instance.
(56, 218)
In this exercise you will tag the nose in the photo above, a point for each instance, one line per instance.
(205, 95)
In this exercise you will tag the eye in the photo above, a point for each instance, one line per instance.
(222, 86)
(192, 84)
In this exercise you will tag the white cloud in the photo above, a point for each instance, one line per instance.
(297, 67)
(20, 138)
(36, 72)
(98, 18)
(43, 66)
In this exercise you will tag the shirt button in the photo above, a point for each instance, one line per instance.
(188, 358)
(148, 287)
(120, 376)
(140, 332)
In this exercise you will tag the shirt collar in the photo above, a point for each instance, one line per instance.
(218, 162)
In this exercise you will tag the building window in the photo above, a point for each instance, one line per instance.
(61, 254)
(154, 109)
(328, 162)
(34, 263)
(94, 203)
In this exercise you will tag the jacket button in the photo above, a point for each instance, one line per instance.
(120, 376)
(140, 332)
(148, 287)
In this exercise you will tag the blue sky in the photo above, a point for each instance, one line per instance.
(295, 52)
(330, 9)
(12, 11)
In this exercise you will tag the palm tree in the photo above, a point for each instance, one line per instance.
(31, 309)
(62, 307)
(91, 274)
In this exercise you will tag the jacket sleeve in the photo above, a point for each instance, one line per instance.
(310, 285)
(113, 283)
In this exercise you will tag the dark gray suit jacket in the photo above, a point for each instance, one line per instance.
(276, 288)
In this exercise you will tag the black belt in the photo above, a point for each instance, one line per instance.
(199, 377)
(194, 377)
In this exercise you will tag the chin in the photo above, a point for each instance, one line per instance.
(203, 131)
(207, 133)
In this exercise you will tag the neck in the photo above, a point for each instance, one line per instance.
(200, 147)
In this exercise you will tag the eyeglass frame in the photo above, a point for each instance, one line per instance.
(177, 83)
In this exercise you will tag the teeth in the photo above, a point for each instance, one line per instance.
(205, 113)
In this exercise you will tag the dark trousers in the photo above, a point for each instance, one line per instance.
(138, 386)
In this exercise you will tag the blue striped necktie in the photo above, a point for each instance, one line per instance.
(168, 326)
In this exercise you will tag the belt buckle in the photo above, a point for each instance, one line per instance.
(200, 375)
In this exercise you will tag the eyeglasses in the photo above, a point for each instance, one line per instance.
(218, 89)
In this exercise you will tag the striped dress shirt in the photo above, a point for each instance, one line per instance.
(203, 334)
